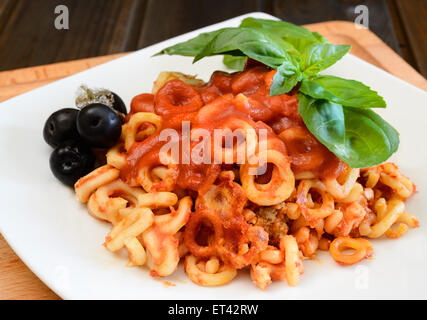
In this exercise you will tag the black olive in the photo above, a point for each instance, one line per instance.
(70, 161)
(61, 126)
(99, 125)
(118, 104)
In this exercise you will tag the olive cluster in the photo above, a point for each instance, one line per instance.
(76, 133)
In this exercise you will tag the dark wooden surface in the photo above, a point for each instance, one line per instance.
(99, 27)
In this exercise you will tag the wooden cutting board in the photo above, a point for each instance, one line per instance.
(16, 280)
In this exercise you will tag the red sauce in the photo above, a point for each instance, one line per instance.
(243, 95)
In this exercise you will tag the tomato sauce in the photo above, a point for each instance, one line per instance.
(242, 95)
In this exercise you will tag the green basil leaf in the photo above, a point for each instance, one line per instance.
(370, 136)
(235, 62)
(346, 92)
(191, 47)
(367, 141)
(286, 77)
(326, 119)
(295, 38)
(280, 28)
(319, 56)
(251, 42)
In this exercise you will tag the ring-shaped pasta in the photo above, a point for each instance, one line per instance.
(108, 200)
(293, 263)
(278, 189)
(166, 76)
(172, 222)
(311, 213)
(342, 190)
(226, 199)
(136, 121)
(223, 276)
(145, 178)
(192, 228)
(363, 249)
(86, 185)
(177, 97)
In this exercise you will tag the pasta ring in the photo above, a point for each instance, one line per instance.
(177, 97)
(224, 275)
(280, 186)
(86, 185)
(145, 178)
(172, 222)
(314, 214)
(362, 246)
(192, 228)
(342, 190)
(302, 162)
(107, 202)
(293, 263)
(135, 123)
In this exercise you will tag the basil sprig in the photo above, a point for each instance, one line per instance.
(336, 111)
(359, 137)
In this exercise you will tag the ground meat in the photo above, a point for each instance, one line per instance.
(274, 220)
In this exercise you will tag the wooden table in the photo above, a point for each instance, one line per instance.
(16, 280)
(102, 27)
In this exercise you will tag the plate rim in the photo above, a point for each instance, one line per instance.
(8, 238)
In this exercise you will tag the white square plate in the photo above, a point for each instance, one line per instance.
(61, 243)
